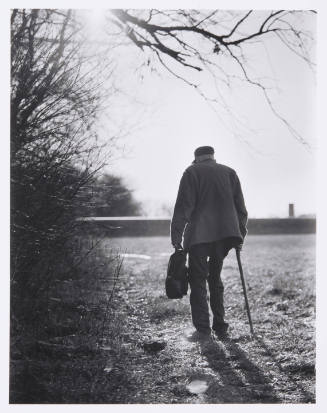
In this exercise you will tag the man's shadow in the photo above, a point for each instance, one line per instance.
(240, 379)
(306, 396)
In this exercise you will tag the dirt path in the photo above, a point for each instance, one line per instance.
(162, 364)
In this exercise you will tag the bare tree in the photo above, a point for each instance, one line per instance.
(57, 90)
(186, 42)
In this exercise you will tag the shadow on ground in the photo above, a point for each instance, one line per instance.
(240, 380)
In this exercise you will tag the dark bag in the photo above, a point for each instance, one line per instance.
(177, 280)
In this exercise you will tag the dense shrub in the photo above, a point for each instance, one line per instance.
(57, 89)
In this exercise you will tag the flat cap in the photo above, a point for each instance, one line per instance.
(204, 150)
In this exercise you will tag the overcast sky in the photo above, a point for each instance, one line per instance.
(172, 120)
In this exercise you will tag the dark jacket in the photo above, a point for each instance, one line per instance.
(210, 204)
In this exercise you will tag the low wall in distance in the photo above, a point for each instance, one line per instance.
(143, 226)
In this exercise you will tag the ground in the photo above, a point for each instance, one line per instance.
(131, 344)
(278, 366)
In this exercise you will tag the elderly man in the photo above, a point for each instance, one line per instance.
(210, 218)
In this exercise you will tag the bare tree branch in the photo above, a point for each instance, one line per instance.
(197, 40)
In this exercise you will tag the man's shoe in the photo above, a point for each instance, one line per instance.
(221, 335)
(221, 331)
(201, 335)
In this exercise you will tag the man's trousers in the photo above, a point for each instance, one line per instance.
(205, 265)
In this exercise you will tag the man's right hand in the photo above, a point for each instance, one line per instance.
(239, 247)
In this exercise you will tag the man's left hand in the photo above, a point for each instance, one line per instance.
(178, 247)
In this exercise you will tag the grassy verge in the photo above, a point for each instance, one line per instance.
(64, 355)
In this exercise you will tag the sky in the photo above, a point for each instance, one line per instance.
(170, 119)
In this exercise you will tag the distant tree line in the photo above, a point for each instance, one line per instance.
(109, 196)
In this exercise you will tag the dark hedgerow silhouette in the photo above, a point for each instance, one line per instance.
(57, 90)
(53, 109)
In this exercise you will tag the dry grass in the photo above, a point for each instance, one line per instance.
(64, 361)
(277, 367)
(117, 365)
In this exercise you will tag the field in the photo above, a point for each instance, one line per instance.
(130, 344)
(277, 367)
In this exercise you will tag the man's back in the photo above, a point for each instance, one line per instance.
(211, 203)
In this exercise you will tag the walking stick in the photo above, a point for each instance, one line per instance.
(238, 256)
